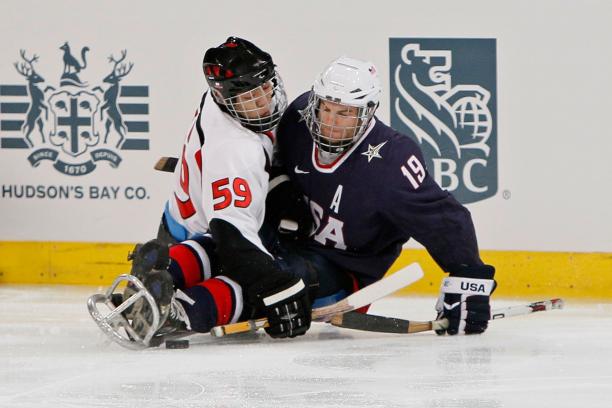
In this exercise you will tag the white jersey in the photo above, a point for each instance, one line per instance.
(222, 173)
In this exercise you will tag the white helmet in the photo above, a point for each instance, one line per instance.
(343, 100)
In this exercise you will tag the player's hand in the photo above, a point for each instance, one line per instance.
(464, 299)
(287, 307)
(285, 202)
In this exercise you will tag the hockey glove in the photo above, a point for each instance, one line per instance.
(284, 202)
(287, 307)
(464, 299)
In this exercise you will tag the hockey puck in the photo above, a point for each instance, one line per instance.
(177, 344)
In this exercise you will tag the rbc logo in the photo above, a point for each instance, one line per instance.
(444, 96)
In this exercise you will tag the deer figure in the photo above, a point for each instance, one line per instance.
(110, 97)
(37, 97)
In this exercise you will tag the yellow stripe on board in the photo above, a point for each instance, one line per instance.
(528, 274)
(80, 263)
(519, 273)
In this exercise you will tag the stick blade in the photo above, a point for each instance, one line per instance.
(540, 306)
(368, 322)
(387, 286)
(167, 164)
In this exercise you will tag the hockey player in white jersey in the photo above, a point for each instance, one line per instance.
(217, 263)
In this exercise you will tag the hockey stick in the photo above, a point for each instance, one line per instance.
(362, 297)
(167, 164)
(361, 321)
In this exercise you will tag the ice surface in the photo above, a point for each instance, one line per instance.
(53, 355)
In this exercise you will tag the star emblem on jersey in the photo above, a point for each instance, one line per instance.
(373, 151)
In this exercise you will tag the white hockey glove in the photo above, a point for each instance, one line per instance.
(464, 299)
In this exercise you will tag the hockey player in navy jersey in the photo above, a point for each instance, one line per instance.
(369, 193)
(217, 268)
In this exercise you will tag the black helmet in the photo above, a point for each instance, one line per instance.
(236, 71)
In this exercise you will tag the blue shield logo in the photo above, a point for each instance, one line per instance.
(444, 96)
(73, 124)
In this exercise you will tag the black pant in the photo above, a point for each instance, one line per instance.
(293, 257)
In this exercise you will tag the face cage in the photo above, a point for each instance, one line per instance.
(246, 107)
(352, 133)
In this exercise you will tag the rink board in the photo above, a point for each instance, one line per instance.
(519, 273)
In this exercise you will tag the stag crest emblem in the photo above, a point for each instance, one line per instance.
(73, 124)
(113, 115)
(37, 96)
(443, 94)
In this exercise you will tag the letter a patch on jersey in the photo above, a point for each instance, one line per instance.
(335, 205)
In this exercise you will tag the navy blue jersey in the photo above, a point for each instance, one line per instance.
(374, 198)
